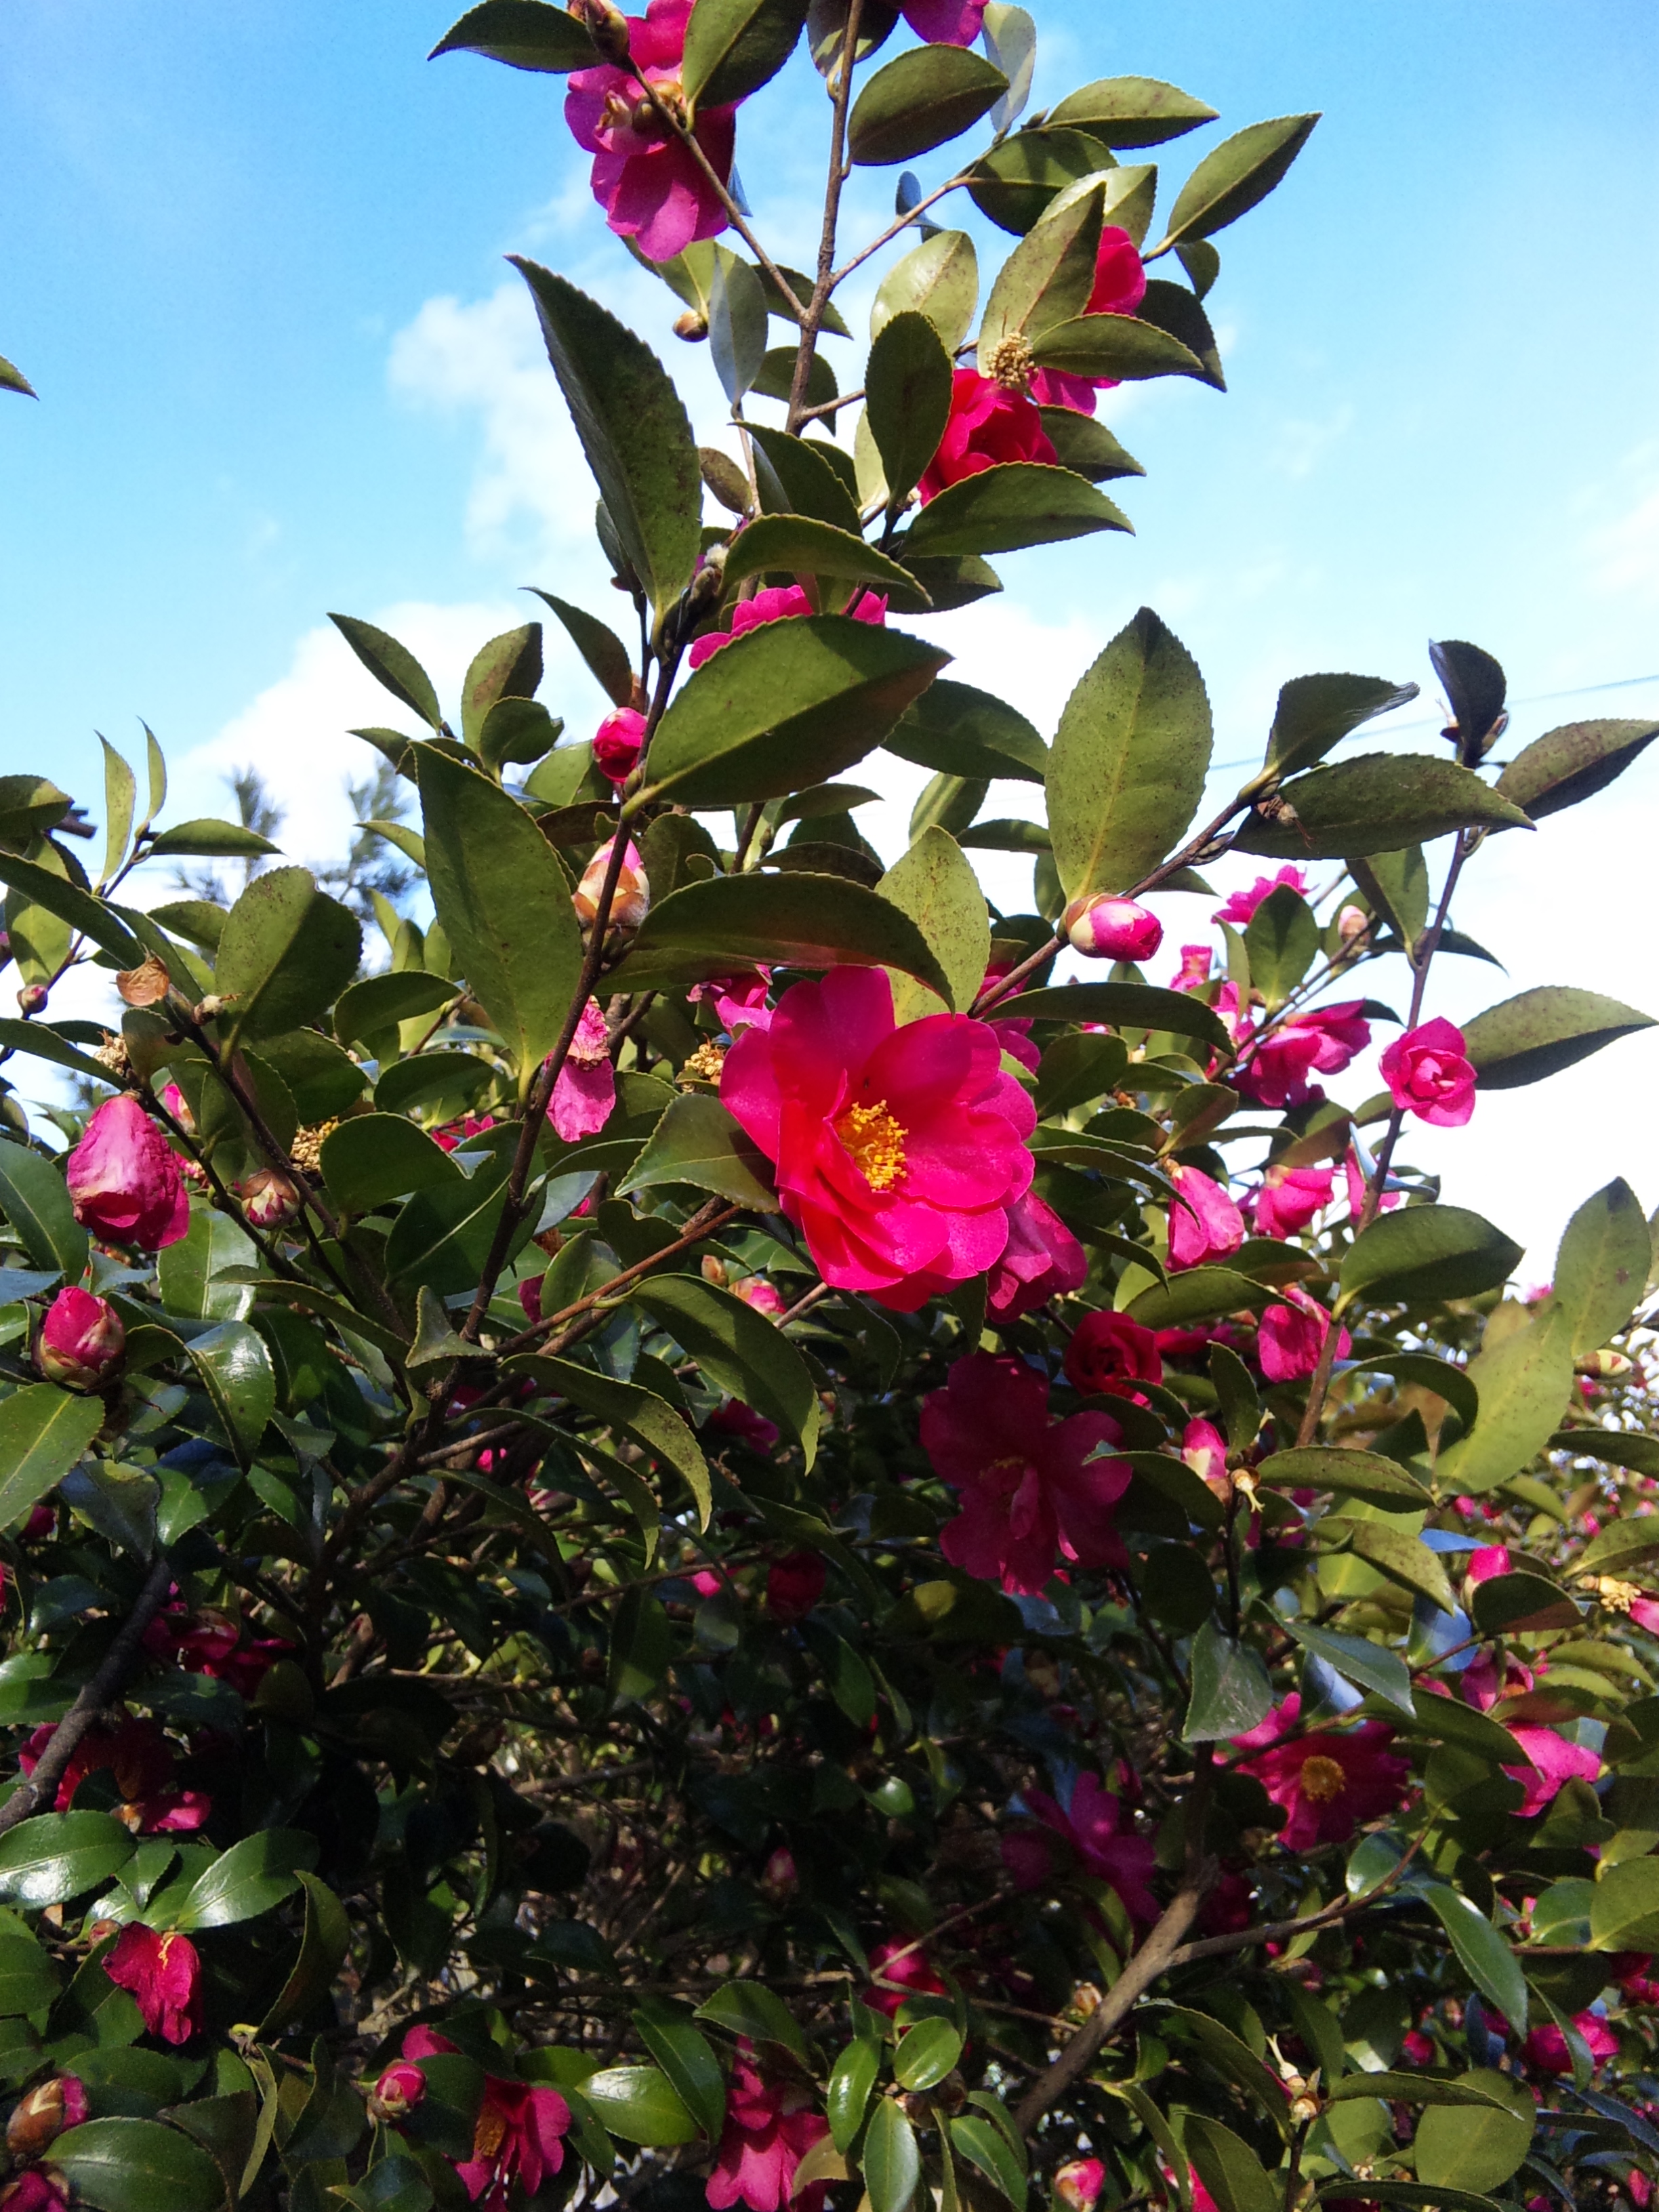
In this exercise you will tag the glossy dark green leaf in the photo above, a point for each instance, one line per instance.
(791, 702)
(1088, 448)
(732, 47)
(35, 1201)
(938, 279)
(790, 920)
(1123, 346)
(640, 2105)
(1242, 171)
(1317, 712)
(1474, 2149)
(1454, 1385)
(736, 322)
(323, 1946)
(1123, 1005)
(380, 1002)
(286, 953)
(1486, 1958)
(69, 903)
(636, 1414)
(439, 1083)
(810, 484)
(393, 664)
(603, 652)
(1229, 2169)
(119, 1502)
(1603, 1266)
(740, 1350)
(633, 428)
(1624, 1911)
(1379, 1481)
(525, 34)
(1374, 803)
(1129, 760)
(1540, 1032)
(926, 2053)
(29, 803)
(1368, 1666)
(908, 387)
(504, 903)
(686, 2056)
(41, 1043)
(1524, 1384)
(1017, 181)
(697, 1142)
(1573, 764)
(235, 1368)
(750, 2008)
(1230, 1692)
(1013, 504)
(936, 886)
(374, 1157)
(1521, 1603)
(138, 2165)
(1131, 110)
(443, 1237)
(12, 378)
(891, 2160)
(28, 1979)
(190, 1272)
(58, 1855)
(43, 1430)
(957, 731)
(985, 2145)
(1404, 1558)
(850, 2084)
(1424, 1252)
(924, 98)
(248, 1879)
(323, 1081)
(508, 667)
(807, 547)
(1282, 941)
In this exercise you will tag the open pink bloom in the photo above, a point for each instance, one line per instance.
(140, 1759)
(124, 1181)
(1240, 908)
(1109, 1354)
(1078, 2182)
(517, 2137)
(82, 1340)
(1320, 1042)
(1289, 1199)
(1030, 1487)
(1041, 1261)
(898, 1151)
(1291, 1336)
(794, 1585)
(1553, 1762)
(1090, 1828)
(912, 1971)
(1204, 1223)
(616, 744)
(744, 1425)
(1193, 972)
(1120, 288)
(1330, 1782)
(944, 22)
(1013, 1033)
(989, 425)
(780, 603)
(585, 1092)
(215, 1647)
(164, 1973)
(1205, 1450)
(740, 1000)
(1105, 927)
(1428, 1074)
(1546, 2048)
(649, 184)
(1490, 1560)
(769, 2130)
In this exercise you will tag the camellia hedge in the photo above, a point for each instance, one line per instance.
(687, 1537)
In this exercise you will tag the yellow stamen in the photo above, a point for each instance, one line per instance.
(1616, 1596)
(1322, 1779)
(876, 1142)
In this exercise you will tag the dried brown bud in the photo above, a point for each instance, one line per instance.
(691, 326)
(145, 985)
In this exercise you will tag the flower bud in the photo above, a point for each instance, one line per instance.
(269, 1199)
(631, 902)
(43, 2114)
(1078, 2182)
(782, 1878)
(82, 1340)
(31, 999)
(616, 744)
(1105, 927)
(398, 2090)
(691, 326)
(608, 28)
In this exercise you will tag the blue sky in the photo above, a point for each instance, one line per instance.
(252, 261)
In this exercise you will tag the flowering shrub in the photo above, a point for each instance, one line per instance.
(711, 1535)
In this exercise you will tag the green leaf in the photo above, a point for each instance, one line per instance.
(246, 1881)
(188, 1272)
(732, 47)
(811, 485)
(1049, 277)
(791, 702)
(1131, 110)
(379, 1002)
(1123, 1005)
(508, 667)
(807, 547)
(739, 1351)
(687, 2058)
(442, 1238)
(286, 951)
(120, 803)
(323, 1081)
(736, 322)
(927, 96)
(939, 891)
(1195, 1294)
(374, 1157)
(1123, 346)
(1016, 183)
(1375, 803)
(1368, 1666)
(1601, 1268)
(393, 665)
(938, 279)
(35, 1201)
(58, 1855)
(1015, 504)
(1129, 761)
(1540, 1032)
(209, 839)
(1524, 1384)
(750, 2008)
(323, 1948)
(849, 2096)
(80, 910)
(1228, 2168)
(697, 1142)
(603, 651)
(12, 378)
(504, 904)
(891, 2162)
(43, 1431)
(525, 34)
(41, 1043)
(138, 2165)
(29, 805)
(1281, 941)
(1461, 2148)
(119, 1502)
(1088, 447)
(1625, 1907)
(639, 2104)
(1618, 1544)
(1521, 1603)
(1403, 1558)
(796, 920)
(515, 731)
(926, 2053)
(1230, 1692)
(637, 1413)
(984, 2144)
(1379, 1481)
(633, 428)
(1449, 1721)
(1573, 764)
(957, 731)
(28, 1979)
(908, 387)
(1242, 171)
(1317, 711)
(1447, 1381)
(1427, 1251)
(236, 1372)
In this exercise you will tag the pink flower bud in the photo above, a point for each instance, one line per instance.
(616, 744)
(1104, 928)
(82, 1340)
(269, 1199)
(1078, 2182)
(631, 902)
(398, 2090)
(43, 2115)
(124, 1180)
(793, 1585)
(179, 1106)
(782, 1878)
(33, 999)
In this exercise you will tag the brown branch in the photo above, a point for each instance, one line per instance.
(811, 321)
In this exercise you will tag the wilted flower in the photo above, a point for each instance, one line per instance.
(794, 1585)
(1090, 1828)
(1040, 1261)
(616, 744)
(82, 1340)
(1119, 288)
(1428, 1074)
(1329, 1783)
(41, 2117)
(769, 2130)
(1204, 1223)
(630, 901)
(780, 603)
(586, 1091)
(1109, 1354)
(988, 425)
(1107, 927)
(164, 1973)
(125, 1182)
(1032, 1487)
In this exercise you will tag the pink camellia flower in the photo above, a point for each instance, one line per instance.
(1090, 1828)
(794, 1585)
(944, 22)
(1354, 1179)
(780, 603)
(989, 425)
(1553, 1762)
(769, 2130)
(140, 1759)
(1240, 908)
(1120, 287)
(124, 1181)
(898, 1151)
(1491, 1560)
(1031, 1486)
(900, 1960)
(1416, 2046)
(630, 901)
(1205, 1450)
(1109, 1354)
(215, 1647)
(82, 1340)
(744, 1425)
(1329, 1783)
(1105, 927)
(1078, 2182)
(398, 2092)
(780, 1877)
(1193, 972)
(585, 1092)
(269, 1198)
(1204, 1223)
(1289, 1199)
(37, 2188)
(616, 744)
(457, 1132)
(765, 1297)
(1291, 1336)
(41, 2117)
(164, 1973)
(1428, 1074)
(1322, 1041)
(1546, 2048)
(740, 1000)
(649, 185)
(517, 2137)
(1041, 1261)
